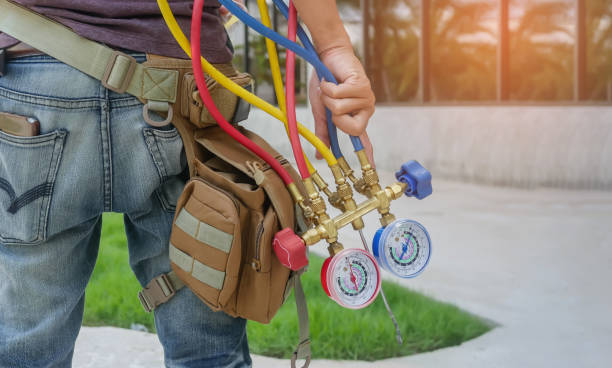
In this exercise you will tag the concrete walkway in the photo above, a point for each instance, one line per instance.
(537, 263)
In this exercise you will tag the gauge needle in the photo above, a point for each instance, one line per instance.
(404, 250)
(405, 247)
(353, 278)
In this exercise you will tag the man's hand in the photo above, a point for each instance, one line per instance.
(351, 102)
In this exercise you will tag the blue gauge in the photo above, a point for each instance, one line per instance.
(402, 248)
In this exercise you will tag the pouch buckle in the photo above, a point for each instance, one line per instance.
(118, 80)
(157, 292)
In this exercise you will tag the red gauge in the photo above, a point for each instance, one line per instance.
(351, 278)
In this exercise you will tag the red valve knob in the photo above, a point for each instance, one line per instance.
(290, 249)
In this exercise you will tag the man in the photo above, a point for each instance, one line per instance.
(96, 154)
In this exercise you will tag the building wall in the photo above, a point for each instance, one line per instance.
(523, 146)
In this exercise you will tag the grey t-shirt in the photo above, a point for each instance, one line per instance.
(135, 25)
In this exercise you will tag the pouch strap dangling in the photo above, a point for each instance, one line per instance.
(302, 351)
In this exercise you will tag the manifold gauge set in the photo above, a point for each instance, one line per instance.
(351, 277)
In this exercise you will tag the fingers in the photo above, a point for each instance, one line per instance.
(345, 105)
(354, 125)
(351, 104)
(354, 86)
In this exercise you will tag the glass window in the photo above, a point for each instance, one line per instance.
(462, 60)
(599, 50)
(392, 47)
(542, 41)
(463, 50)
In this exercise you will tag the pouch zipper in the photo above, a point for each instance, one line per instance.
(256, 169)
(256, 264)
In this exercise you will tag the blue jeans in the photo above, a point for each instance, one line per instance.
(94, 154)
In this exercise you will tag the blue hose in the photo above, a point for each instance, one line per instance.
(303, 36)
(307, 55)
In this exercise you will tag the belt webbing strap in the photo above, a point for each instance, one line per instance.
(117, 71)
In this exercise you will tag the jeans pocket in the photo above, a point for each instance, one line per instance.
(166, 149)
(28, 168)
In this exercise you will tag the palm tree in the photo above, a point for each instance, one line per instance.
(541, 53)
(394, 51)
(462, 68)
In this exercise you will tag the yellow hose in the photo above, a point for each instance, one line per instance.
(233, 20)
(238, 90)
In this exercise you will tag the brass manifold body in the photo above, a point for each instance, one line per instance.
(315, 209)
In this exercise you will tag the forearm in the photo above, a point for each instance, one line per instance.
(323, 21)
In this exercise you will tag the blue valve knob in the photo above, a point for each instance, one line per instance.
(418, 179)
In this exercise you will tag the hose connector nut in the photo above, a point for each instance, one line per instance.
(370, 177)
(361, 186)
(318, 206)
(336, 201)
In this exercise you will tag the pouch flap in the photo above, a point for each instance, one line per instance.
(221, 144)
(253, 198)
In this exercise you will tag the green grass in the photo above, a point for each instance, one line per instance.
(111, 297)
(337, 333)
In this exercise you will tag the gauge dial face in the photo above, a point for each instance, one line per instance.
(405, 248)
(353, 278)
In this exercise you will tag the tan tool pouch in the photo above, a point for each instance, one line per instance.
(230, 210)
(225, 222)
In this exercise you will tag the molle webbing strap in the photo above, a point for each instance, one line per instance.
(204, 232)
(117, 71)
(200, 271)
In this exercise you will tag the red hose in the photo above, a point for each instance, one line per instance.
(296, 145)
(196, 25)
